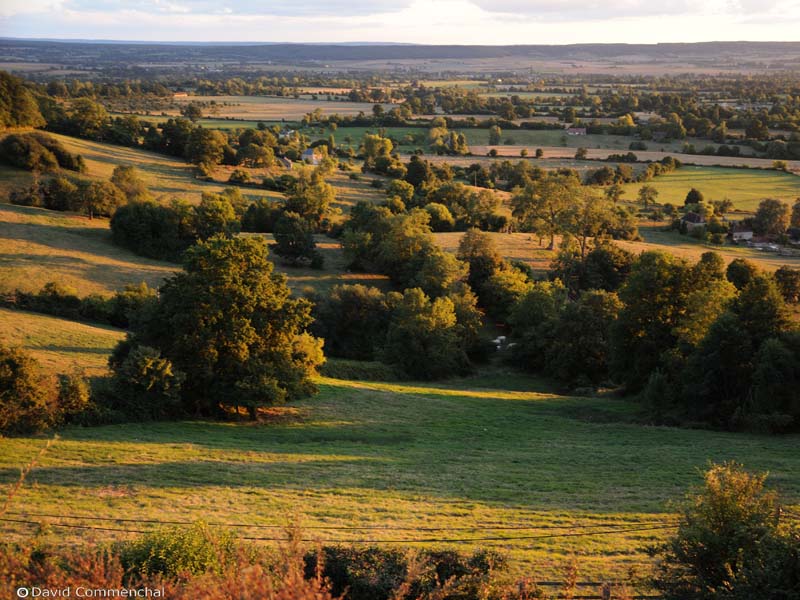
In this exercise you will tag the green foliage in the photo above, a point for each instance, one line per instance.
(605, 267)
(155, 230)
(86, 118)
(129, 180)
(479, 252)
(654, 296)
(788, 280)
(542, 204)
(441, 219)
(215, 215)
(580, 348)
(261, 216)
(38, 152)
(205, 146)
(353, 320)
(99, 198)
(503, 290)
(229, 322)
(310, 197)
(18, 106)
(178, 551)
(771, 218)
(423, 337)
(62, 301)
(741, 272)
(376, 573)
(294, 237)
(25, 396)
(145, 385)
(728, 543)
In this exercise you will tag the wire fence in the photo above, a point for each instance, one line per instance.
(531, 532)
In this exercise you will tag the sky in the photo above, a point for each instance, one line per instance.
(410, 21)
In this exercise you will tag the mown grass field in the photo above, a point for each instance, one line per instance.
(490, 451)
(38, 246)
(744, 187)
(60, 346)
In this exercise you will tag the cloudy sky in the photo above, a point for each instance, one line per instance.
(416, 21)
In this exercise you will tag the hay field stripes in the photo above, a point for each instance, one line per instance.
(466, 458)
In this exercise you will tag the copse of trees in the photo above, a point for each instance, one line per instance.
(559, 205)
(31, 400)
(62, 301)
(18, 104)
(402, 247)
(294, 241)
(165, 231)
(227, 331)
(92, 198)
(38, 151)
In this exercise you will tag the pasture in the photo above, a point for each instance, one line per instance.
(38, 246)
(164, 175)
(744, 187)
(60, 345)
(491, 451)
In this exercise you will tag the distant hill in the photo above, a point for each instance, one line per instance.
(100, 52)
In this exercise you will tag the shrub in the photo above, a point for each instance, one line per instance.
(376, 573)
(729, 543)
(145, 385)
(178, 551)
(359, 370)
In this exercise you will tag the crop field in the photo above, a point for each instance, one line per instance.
(495, 450)
(60, 346)
(744, 187)
(271, 108)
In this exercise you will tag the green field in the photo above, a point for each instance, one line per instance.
(494, 450)
(745, 187)
(60, 346)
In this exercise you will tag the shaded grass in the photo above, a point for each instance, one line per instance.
(60, 346)
(497, 449)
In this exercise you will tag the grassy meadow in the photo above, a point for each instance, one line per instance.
(60, 346)
(38, 246)
(495, 450)
(744, 187)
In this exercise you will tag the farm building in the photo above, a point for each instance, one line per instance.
(742, 233)
(311, 156)
(693, 220)
(285, 163)
(576, 130)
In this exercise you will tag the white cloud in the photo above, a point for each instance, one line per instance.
(416, 21)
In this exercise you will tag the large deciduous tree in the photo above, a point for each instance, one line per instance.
(231, 325)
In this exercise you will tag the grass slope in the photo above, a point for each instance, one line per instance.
(38, 245)
(60, 346)
(494, 450)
